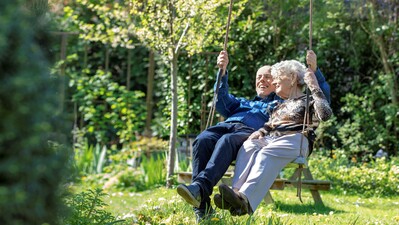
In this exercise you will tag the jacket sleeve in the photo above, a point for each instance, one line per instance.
(226, 103)
(324, 86)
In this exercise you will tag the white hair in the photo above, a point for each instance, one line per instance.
(289, 68)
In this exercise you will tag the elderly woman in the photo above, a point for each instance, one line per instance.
(268, 150)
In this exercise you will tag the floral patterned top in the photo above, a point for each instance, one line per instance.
(289, 115)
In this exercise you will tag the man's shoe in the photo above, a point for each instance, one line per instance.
(239, 204)
(190, 193)
(221, 203)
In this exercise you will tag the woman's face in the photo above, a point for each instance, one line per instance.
(283, 84)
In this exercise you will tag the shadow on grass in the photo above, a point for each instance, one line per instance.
(305, 208)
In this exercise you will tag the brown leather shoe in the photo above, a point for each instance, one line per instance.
(238, 202)
(221, 203)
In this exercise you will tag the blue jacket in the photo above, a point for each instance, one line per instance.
(254, 113)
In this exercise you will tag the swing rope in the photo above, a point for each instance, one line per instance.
(221, 72)
(306, 119)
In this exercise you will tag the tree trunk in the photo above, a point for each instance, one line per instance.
(150, 90)
(173, 123)
(129, 71)
(38, 7)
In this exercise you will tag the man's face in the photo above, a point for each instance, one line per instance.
(264, 82)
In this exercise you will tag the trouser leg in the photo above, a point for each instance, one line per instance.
(204, 146)
(245, 159)
(269, 161)
(224, 153)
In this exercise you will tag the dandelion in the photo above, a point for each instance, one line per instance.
(396, 218)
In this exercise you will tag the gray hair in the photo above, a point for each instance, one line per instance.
(290, 67)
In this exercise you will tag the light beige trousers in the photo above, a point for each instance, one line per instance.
(260, 161)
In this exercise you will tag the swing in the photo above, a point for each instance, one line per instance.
(300, 162)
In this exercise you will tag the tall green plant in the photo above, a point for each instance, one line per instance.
(153, 170)
(90, 159)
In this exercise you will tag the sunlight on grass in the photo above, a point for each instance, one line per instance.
(164, 206)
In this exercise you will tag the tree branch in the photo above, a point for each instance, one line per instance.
(181, 37)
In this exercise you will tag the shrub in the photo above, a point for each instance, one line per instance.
(379, 177)
(32, 158)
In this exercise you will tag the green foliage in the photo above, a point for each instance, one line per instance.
(371, 120)
(90, 159)
(136, 148)
(108, 108)
(379, 177)
(96, 63)
(87, 208)
(33, 155)
(108, 24)
(355, 42)
(160, 26)
(149, 173)
(154, 171)
(138, 168)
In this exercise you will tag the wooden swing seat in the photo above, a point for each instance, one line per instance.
(314, 186)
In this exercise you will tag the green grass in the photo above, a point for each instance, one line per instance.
(164, 206)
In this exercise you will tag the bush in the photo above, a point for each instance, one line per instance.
(32, 158)
(379, 177)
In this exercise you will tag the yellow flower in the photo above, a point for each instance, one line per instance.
(215, 219)
(396, 218)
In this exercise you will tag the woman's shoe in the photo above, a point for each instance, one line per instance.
(220, 203)
(240, 205)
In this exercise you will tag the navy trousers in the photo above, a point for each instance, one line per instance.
(213, 151)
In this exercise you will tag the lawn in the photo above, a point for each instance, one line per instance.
(164, 206)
